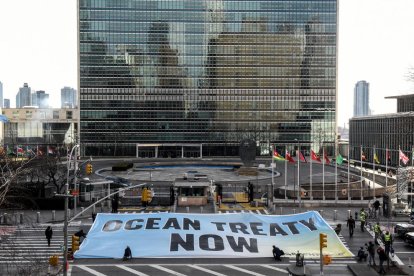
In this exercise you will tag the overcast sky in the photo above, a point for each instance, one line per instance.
(376, 44)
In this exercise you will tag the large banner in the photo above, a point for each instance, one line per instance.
(162, 235)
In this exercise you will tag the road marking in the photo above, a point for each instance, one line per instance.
(266, 212)
(402, 252)
(206, 270)
(167, 270)
(244, 270)
(257, 211)
(275, 268)
(133, 271)
(90, 270)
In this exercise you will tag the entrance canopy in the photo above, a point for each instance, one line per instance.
(174, 150)
(174, 235)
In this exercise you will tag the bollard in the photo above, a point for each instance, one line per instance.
(94, 209)
(5, 218)
(53, 215)
(321, 213)
(294, 211)
(38, 217)
(335, 214)
(188, 209)
(21, 218)
(257, 203)
(281, 210)
(82, 209)
(16, 218)
(349, 213)
(409, 261)
(356, 215)
(201, 209)
(69, 213)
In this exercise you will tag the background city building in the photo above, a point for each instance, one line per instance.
(23, 97)
(387, 131)
(1, 94)
(6, 103)
(68, 97)
(165, 74)
(361, 99)
(40, 99)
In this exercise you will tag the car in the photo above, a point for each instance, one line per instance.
(409, 238)
(119, 181)
(401, 229)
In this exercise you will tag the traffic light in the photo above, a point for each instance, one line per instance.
(75, 243)
(327, 259)
(89, 168)
(149, 195)
(323, 241)
(144, 195)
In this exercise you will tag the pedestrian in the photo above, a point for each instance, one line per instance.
(376, 208)
(351, 226)
(277, 253)
(48, 234)
(362, 218)
(127, 254)
(377, 232)
(382, 258)
(362, 256)
(93, 217)
(387, 239)
(371, 253)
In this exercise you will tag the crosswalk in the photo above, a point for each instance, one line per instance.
(27, 245)
(257, 211)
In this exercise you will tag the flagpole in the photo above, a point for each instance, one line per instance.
(323, 173)
(285, 176)
(386, 167)
(310, 177)
(336, 172)
(396, 175)
(362, 195)
(299, 190)
(373, 174)
(273, 180)
(349, 190)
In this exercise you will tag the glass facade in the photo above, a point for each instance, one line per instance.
(208, 71)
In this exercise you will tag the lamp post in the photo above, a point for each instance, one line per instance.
(65, 224)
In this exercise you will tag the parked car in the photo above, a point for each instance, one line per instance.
(409, 238)
(403, 228)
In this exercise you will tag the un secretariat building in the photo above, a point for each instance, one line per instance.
(184, 78)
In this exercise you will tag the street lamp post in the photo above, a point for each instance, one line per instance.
(65, 224)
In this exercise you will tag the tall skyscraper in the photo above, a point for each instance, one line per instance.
(1, 94)
(6, 103)
(23, 96)
(68, 97)
(173, 78)
(361, 99)
(40, 99)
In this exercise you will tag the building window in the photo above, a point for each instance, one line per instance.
(56, 114)
(68, 114)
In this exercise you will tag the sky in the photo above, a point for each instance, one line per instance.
(376, 44)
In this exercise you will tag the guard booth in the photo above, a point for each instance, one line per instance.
(192, 191)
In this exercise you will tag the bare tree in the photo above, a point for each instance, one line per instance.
(12, 169)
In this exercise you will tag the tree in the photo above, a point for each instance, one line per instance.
(12, 171)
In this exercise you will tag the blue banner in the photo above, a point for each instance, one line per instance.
(169, 235)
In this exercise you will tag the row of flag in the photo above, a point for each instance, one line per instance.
(339, 159)
(28, 150)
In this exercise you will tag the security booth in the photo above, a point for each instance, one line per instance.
(192, 192)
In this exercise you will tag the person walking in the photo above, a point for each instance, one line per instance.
(382, 258)
(127, 254)
(277, 253)
(48, 234)
(351, 226)
(362, 218)
(371, 253)
(387, 239)
(377, 232)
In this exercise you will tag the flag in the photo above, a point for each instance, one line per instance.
(3, 118)
(315, 157)
(9, 151)
(339, 159)
(302, 157)
(376, 159)
(388, 155)
(20, 150)
(404, 158)
(363, 158)
(276, 156)
(326, 159)
(289, 158)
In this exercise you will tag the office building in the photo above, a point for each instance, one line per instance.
(1, 95)
(23, 97)
(6, 103)
(68, 97)
(190, 78)
(386, 131)
(361, 99)
(40, 99)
